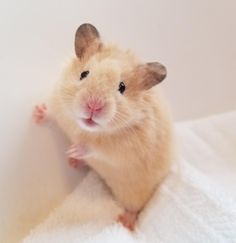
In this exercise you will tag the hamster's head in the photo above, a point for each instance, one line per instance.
(104, 87)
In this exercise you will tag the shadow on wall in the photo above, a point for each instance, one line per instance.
(39, 177)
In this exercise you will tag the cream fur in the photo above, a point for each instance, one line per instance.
(132, 151)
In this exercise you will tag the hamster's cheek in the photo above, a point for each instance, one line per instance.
(128, 113)
(119, 117)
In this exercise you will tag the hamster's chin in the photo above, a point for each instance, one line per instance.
(88, 124)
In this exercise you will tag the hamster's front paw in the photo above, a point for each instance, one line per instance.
(77, 151)
(40, 113)
(128, 219)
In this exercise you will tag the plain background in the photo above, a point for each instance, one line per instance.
(194, 39)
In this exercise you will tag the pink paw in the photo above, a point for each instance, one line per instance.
(128, 219)
(76, 163)
(77, 151)
(40, 113)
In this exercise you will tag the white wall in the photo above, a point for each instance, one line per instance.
(194, 39)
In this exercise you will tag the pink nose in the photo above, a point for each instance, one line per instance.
(94, 106)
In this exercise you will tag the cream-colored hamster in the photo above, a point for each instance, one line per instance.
(116, 121)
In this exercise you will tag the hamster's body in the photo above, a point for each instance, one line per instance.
(131, 150)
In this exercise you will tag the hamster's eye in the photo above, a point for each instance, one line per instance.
(84, 74)
(121, 87)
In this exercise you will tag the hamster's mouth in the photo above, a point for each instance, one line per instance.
(89, 122)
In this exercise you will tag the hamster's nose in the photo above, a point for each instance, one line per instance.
(94, 106)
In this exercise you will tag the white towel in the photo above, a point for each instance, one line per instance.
(196, 203)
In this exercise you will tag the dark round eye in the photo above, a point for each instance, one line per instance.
(84, 74)
(121, 87)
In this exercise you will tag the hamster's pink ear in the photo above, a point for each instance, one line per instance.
(87, 41)
(150, 74)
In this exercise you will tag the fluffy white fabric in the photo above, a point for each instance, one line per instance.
(196, 203)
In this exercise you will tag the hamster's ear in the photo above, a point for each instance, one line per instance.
(87, 41)
(149, 74)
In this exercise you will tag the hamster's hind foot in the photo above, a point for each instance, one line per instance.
(128, 219)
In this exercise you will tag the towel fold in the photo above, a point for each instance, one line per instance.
(196, 202)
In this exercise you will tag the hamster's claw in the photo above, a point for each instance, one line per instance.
(76, 163)
(128, 220)
(40, 113)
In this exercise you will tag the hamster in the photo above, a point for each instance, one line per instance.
(116, 121)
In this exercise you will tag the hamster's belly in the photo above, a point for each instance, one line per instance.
(129, 185)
